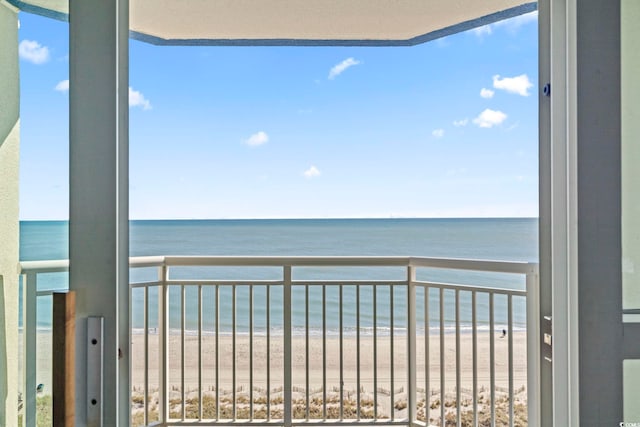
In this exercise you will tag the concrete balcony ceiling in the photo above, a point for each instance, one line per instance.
(301, 22)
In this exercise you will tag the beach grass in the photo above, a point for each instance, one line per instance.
(317, 411)
(44, 416)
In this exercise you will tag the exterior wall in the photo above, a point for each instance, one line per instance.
(599, 211)
(9, 225)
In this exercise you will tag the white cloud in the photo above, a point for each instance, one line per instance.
(461, 122)
(62, 86)
(519, 85)
(258, 138)
(485, 30)
(438, 133)
(486, 93)
(490, 118)
(341, 67)
(443, 42)
(32, 51)
(514, 24)
(137, 99)
(312, 172)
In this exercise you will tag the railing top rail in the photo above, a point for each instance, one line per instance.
(146, 261)
(293, 261)
(472, 288)
(514, 267)
(517, 267)
(49, 266)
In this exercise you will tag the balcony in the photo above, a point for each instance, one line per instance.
(316, 341)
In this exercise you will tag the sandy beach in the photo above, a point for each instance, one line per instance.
(375, 400)
(276, 359)
(383, 361)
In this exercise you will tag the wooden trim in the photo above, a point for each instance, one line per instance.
(64, 349)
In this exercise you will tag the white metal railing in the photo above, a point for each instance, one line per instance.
(240, 339)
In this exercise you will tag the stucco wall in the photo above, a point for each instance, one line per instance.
(9, 226)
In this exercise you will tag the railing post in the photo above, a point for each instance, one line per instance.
(533, 349)
(29, 334)
(287, 411)
(146, 349)
(163, 340)
(411, 344)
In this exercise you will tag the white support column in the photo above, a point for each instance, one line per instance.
(98, 194)
(562, 232)
(9, 225)
(558, 398)
(546, 220)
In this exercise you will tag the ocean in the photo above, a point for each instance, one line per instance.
(505, 239)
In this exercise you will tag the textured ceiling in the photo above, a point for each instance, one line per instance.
(273, 22)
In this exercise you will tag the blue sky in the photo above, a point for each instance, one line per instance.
(443, 129)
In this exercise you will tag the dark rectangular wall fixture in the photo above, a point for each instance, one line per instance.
(64, 357)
